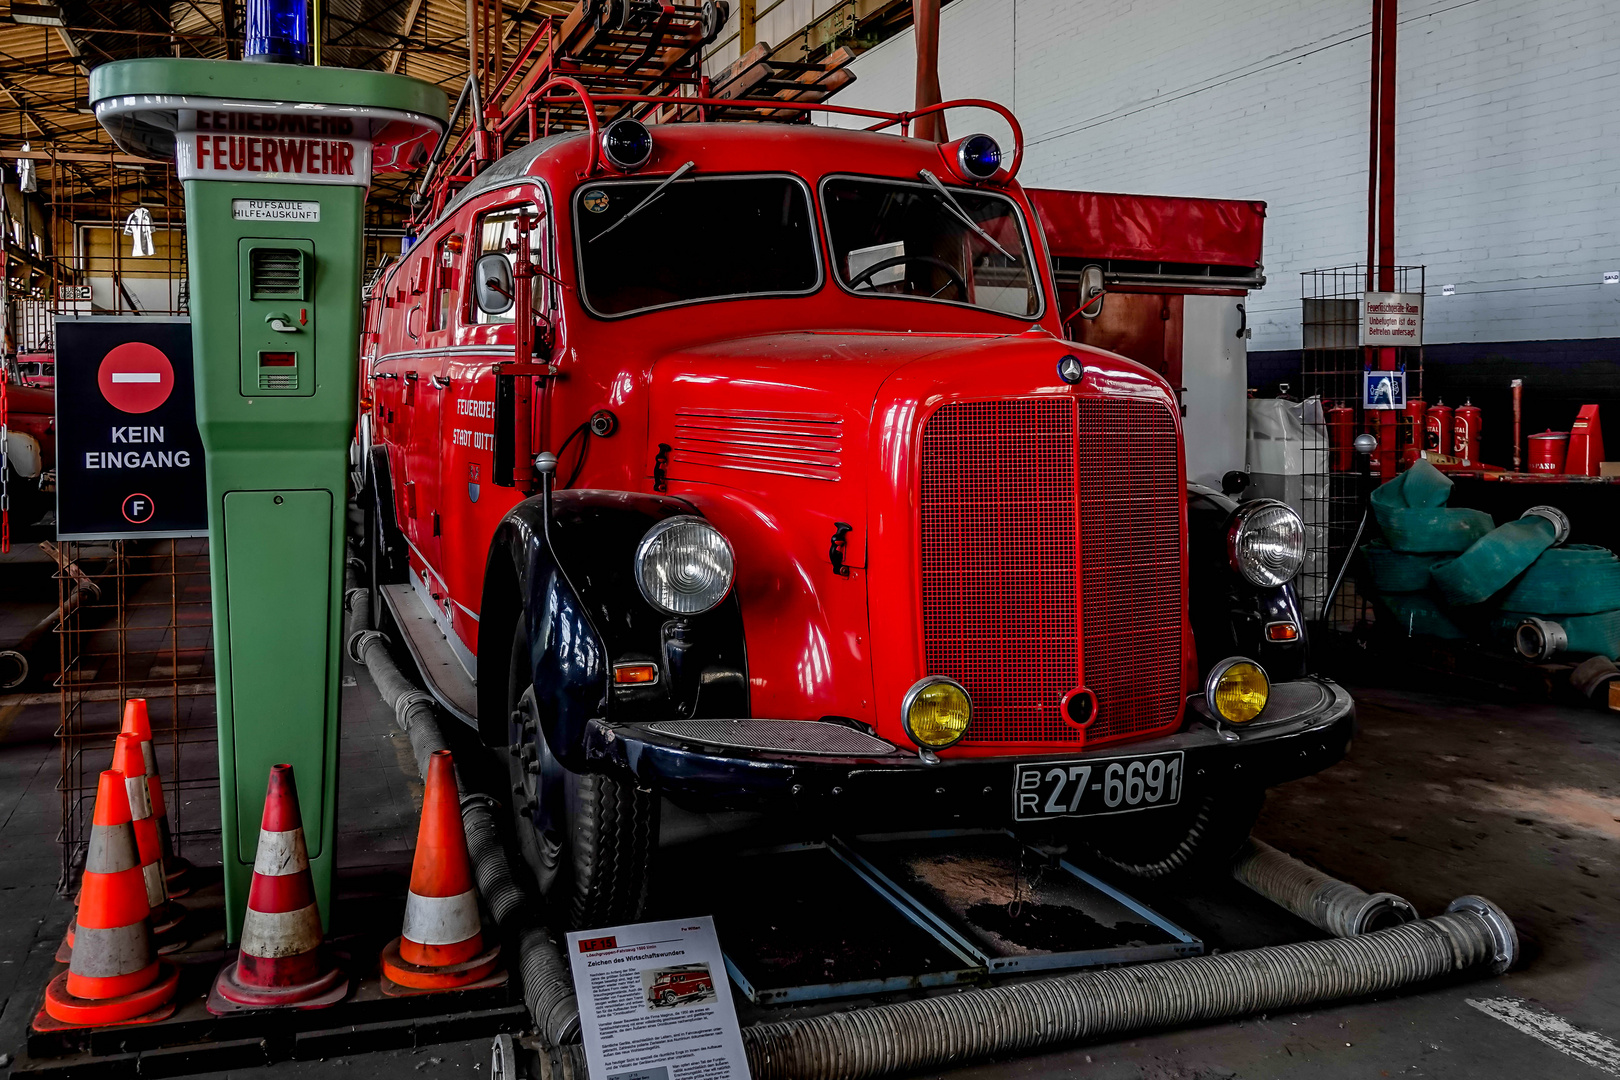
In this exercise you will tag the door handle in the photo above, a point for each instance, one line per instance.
(441, 382)
(1243, 321)
(280, 323)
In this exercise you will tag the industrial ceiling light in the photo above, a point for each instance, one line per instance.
(37, 14)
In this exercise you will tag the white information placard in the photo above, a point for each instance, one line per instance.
(655, 1003)
(275, 210)
(1392, 318)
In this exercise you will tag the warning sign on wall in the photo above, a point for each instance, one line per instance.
(1392, 318)
(129, 460)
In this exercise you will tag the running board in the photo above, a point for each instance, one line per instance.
(446, 679)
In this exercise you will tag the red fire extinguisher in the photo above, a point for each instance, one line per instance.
(1466, 424)
(1341, 425)
(1411, 430)
(1437, 428)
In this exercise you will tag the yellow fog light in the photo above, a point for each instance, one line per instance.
(936, 712)
(1237, 690)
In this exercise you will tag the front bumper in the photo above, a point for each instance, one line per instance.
(902, 787)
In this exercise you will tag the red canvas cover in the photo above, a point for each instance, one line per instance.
(1151, 228)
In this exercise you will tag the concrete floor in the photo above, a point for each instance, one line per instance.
(1440, 797)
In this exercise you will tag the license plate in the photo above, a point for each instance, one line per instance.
(1054, 789)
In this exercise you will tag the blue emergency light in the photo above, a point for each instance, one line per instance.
(277, 31)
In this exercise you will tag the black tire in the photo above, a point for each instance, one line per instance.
(1193, 840)
(668, 997)
(587, 838)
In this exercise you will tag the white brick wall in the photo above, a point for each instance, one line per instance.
(1508, 144)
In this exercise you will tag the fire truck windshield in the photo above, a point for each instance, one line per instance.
(703, 238)
(898, 238)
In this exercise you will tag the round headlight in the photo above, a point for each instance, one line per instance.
(684, 566)
(1266, 542)
(979, 157)
(627, 144)
(936, 711)
(1237, 690)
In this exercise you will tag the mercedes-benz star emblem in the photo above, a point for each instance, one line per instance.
(1071, 370)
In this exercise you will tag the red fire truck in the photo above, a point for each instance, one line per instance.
(675, 986)
(753, 466)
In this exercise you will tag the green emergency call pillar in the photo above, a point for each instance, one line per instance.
(275, 161)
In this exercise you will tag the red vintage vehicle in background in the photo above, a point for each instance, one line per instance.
(29, 416)
(751, 466)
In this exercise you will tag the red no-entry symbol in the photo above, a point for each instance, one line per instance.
(136, 377)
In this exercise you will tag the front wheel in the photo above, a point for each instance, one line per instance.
(588, 838)
(1196, 839)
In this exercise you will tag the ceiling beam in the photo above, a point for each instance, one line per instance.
(411, 15)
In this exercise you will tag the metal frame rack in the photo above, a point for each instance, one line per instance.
(1332, 360)
(138, 623)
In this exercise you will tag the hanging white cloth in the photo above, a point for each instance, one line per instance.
(27, 176)
(139, 226)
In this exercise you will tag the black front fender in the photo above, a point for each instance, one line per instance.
(572, 581)
(1229, 615)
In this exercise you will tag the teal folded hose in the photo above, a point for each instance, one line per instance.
(1421, 485)
(1492, 562)
(1399, 571)
(1417, 615)
(1411, 511)
(1580, 579)
(1439, 531)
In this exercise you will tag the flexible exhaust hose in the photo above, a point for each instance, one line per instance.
(547, 989)
(951, 1029)
(1325, 902)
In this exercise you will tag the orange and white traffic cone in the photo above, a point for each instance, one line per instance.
(281, 962)
(115, 976)
(166, 914)
(132, 756)
(442, 947)
(137, 723)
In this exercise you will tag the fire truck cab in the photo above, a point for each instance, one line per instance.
(752, 466)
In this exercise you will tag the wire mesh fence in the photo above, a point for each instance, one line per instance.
(137, 622)
(1334, 478)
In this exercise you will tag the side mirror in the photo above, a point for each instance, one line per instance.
(1091, 291)
(492, 284)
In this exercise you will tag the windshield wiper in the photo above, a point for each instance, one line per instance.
(943, 193)
(651, 195)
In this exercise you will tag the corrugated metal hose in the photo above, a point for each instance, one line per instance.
(548, 991)
(1331, 905)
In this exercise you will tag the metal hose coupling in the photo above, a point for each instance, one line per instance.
(1473, 937)
(1335, 906)
(360, 641)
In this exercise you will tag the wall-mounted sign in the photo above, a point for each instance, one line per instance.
(129, 460)
(73, 292)
(1383, 389)
(1392, 318)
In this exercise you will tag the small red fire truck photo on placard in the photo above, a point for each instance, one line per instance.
(684, 985)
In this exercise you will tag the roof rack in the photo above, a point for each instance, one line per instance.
(646, 59)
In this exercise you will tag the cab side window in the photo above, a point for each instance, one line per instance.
(497, 233)
(446, 271)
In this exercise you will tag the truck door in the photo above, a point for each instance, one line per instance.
(423, 389)
(473, 505)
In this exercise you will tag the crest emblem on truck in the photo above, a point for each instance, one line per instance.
(1071, 370)
(595, 200)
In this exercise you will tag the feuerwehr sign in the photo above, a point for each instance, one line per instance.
(1392, 318)
(129, 461)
